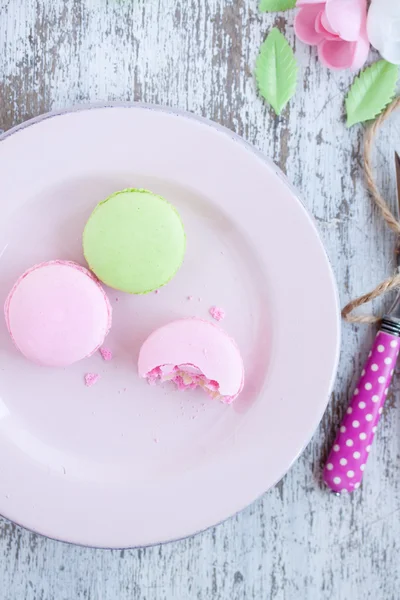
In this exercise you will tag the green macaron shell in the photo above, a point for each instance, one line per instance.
(134, 241)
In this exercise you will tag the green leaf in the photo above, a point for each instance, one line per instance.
(276, 71)
(276, 5)
(371, 91)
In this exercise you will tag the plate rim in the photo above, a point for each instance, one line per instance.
(86, 107)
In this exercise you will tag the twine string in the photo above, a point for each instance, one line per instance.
(392, 282)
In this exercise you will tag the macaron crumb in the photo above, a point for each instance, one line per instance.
(156, 291)
(106, 353)
(190, 297)
(217, 313)
(91, 379)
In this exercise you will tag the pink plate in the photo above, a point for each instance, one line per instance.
(122, 463)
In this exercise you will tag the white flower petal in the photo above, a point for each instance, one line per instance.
(383, 26)
(391, 52)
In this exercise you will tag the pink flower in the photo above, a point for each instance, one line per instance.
(338, 28)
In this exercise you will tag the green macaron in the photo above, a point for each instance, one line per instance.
(134, 241)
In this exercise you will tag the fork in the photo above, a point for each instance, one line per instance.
(346, 462)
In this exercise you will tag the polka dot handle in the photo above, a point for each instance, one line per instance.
(346, 462)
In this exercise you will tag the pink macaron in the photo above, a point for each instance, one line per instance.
(194, 353)
(57, 313)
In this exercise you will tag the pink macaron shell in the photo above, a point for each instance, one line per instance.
(199, 343)
(57, 313)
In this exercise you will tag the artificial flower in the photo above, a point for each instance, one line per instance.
(383, 26)
(338, 28)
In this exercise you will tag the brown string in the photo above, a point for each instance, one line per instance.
(392, 282)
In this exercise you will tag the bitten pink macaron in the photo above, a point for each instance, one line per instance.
(57, 313)
(192, 353)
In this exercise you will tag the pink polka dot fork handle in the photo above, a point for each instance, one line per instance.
(345, 466)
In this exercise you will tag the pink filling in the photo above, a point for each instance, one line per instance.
(188, 377)
(91, 379)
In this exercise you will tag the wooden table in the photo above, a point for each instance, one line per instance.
(297, 542)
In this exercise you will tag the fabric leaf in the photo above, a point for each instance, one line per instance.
(276, 71)
(276, 5)
(371, 92)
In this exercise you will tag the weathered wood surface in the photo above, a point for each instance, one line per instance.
(297, 542)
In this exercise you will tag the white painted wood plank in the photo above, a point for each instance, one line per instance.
(297, 542)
